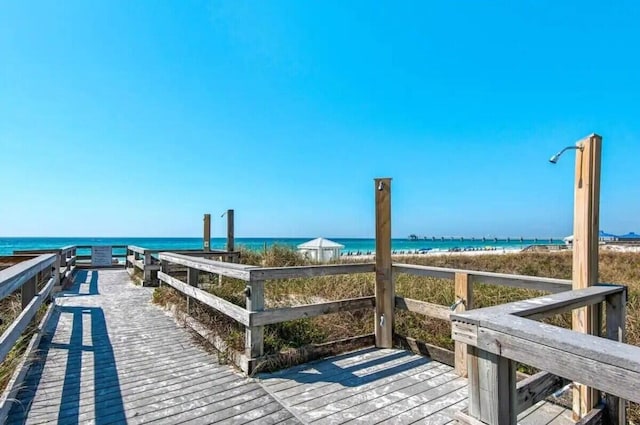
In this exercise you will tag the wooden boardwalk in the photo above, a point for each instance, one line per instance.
(383, 386)
(110, 356)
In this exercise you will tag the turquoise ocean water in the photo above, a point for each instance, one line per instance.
(8, 245)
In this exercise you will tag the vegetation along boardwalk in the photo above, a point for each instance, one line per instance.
(110, 356)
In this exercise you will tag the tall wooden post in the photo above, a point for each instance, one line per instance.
(207, 233)
(230, 231)
(385, 293)
(254, 335)
(463, 292)
(585, 250)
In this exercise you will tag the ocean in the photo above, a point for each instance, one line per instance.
(8, 245)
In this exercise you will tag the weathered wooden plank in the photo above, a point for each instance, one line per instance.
(436, 353)
(536, 388)
(283, 314)
(254, 335)
(350, 392)
(616, 411)
(497, 384)
(465, 333)
(15, 384)
(605, 351)
(14, 277)
(595, 417)
(422, 307)
(463, 290)
(579, 363)
(385, 285)
(271, 273)
(238, 271)
(20, 324)
(536, 308)
(515, 281)
(237, 313)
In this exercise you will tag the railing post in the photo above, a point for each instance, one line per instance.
(192, 279)
(585, 250)
(464, 301)
(615, 314)
(385, 293)
(62, 271)
(230, 231)
(493, 400)
(207, 233)
(254, 335)
(127, 263)
(55, 271)
(146, 271)
(28, 291)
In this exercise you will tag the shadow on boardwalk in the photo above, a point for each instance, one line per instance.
(88, 350)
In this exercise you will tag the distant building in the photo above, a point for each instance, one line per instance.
(604, 237)
(321, 250)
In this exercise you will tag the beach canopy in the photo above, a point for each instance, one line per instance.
(630, 235)
(321, 249)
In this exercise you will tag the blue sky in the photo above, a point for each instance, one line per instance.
(122, 118)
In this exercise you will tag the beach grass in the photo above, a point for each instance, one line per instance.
(619, 268)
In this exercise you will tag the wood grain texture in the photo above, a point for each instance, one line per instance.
(15, 276)
(585, 249)
(231, 310)
(283, 314)
(271, 273)
(501, 279)
(422, 307)
(463, 290)
(113, 357)
(237, 271)
(384, 289)
(536, 388)
(254, 334)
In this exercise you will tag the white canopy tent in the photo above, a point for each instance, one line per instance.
(321, 250)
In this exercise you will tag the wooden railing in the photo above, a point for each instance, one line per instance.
(463, 287)
(254, 316)
(66, 257)
(25, 276)
(499, 336)
(146, 260)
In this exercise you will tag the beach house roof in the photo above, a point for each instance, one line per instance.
(320, 243)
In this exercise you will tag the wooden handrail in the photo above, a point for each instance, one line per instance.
(502, 335)
(515, 281)
(272, 273)
(14, 277)
(237, 271)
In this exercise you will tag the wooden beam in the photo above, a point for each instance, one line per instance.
(271, 273)
(192, 279)
(284, 314)
(536, 388)
(206, 244)
(230, 231)
(414, 345)
(497, 385)
(237, 271)
(616, 411)
(385, 294)
(464, 299)
(14, 277)
(537, 283)
(422, 307)
(20, 324)
(231, 310)
(585, 250)
(254, 335)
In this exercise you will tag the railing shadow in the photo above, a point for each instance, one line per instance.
(78, 391)
(85, 282)
(353, 375)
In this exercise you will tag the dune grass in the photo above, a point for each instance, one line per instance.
(619, 268)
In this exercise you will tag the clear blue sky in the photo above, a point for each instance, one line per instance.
(121, 118)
